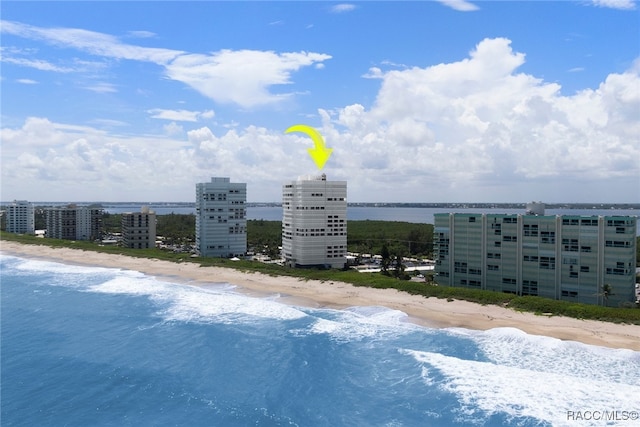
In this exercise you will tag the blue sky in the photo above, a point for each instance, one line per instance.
(422, 101)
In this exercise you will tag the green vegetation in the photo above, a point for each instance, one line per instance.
(524, 303)
(176, 228)
(264, 237)
(401, 238)
(111, 223)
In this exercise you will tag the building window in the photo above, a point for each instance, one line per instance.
(547, 263)
(530, 287)
(460, 267)
(548, 237)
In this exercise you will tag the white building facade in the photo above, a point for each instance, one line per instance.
(221, 218)
(20, 217)
(565, 257)
(314, 222)
(139, 229)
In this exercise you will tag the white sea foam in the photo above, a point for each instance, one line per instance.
(487, 388)
(217, 303)
(188, 304)
(191, 303)
(515, 348)
(33, 265)
(356, 323)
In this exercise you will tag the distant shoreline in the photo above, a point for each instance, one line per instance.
(436, 205)
(430, 312)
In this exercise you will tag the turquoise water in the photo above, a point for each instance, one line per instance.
(88, 346)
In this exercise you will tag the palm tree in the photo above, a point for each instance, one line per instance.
(386, 259)
(605, 292)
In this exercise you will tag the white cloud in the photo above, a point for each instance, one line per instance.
(616, 4)
(109, 122)
(478, 123)
(142, 34)
(459, 5)
(38, 64)
(243, 77)
(342, 8)
(477, 129)
(45, 160)
(99, 44)
(173, 129)
(102, 88)
(27, 81)
(373, 73)
(180, 115)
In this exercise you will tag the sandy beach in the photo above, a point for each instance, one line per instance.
(431, 312)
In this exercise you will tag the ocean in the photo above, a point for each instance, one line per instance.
(91, 346)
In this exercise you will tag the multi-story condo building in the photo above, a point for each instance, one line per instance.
(89, 223)
(74, 222)
(139, 229)
(588, 259)
(20, 217)
(314, 222)
(221, 218)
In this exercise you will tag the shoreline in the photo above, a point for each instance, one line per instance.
(430, 312)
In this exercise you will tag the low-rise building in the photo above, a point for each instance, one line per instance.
(587, 259)
(139, 229)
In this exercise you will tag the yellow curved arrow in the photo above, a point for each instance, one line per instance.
(319, 153)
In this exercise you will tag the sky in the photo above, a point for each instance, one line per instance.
(421, 101)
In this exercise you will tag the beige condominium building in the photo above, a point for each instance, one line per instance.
(587, 259)
(139, 229)
(314, 222)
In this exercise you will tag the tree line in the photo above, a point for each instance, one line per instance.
(399, 238)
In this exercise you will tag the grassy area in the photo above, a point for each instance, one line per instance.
(524, 303)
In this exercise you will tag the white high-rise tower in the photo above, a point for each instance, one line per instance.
(221, 218)
(314, 222)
